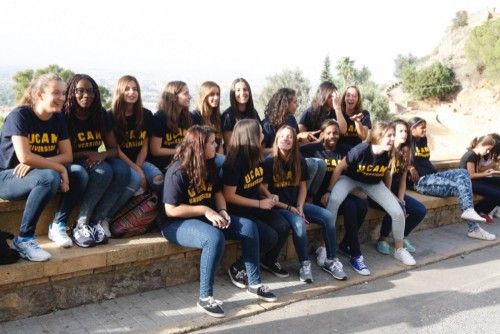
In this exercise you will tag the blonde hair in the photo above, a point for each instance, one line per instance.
(377, 132)
(38, 85)
(211, 117)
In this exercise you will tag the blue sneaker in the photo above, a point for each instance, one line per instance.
(408, 246)
(383, 247)
(359, 266)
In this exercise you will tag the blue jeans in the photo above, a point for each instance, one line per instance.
(415, 211)
(78, 179)
(37, 187)
(316, 168)
(99, 178)
(377, 192)
(317, 215)
(200, 234)
(354, 210)
(120, 190)
(489, 191)
(154, 177)
(453, 182)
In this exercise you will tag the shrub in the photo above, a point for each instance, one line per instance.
(482, 48)
(460, 19)
(435, 80)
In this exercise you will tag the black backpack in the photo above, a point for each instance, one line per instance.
(7, 254)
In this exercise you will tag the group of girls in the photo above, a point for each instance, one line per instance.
(227, 176)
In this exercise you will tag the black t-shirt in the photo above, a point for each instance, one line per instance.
(178, 189)
(364, 166)
(228, 118)
(169, 138)
(134, 139)
(307, 120)
(85, 137)
(287, 192)
(351, 137)
(396, 177)
(198, 120)
(331, 158)
(470, 156)
(270, 132)
(43, 136)
(246, 180)
(420, 156)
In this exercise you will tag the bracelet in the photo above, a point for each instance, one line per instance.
(259, 203)
(219, 210)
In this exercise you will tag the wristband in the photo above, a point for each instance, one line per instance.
(223, 209)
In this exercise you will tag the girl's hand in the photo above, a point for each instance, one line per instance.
(336, 100)
(312, 136)
(358, 117)
(144, 183)
(266, 204)
(64, 187)
(300, 211)
(93, 159)
(216, 219)
(275, 198)
(21, 170)
(325, 198)
(414, 175)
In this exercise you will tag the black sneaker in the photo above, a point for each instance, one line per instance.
(276, 270)
(83, 235)
(345, 250)
(211, 306)
(99, 234)
(238, 277)
(262, 292)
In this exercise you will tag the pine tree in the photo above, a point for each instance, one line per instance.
(326, 74)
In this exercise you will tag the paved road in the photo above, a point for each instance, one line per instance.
(459, 295)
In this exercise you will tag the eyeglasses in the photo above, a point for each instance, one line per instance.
(82, 91)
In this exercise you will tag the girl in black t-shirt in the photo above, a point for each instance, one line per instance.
(325, 105)
(208, 112)
(353, 208)
(453, 182)
(106, 176)
(241, 107)
(243, 190)
(198, 217)
(485, 183)
(357, 120)
(285, 174)
(396, 181)
(364, 167)
(170, 122)
(32, 133)
(280, 111)
(132, 125)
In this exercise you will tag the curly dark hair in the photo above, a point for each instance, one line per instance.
(191, 155)
(70, 106)
(277, 107)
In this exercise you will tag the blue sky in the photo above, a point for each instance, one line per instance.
(220, 40)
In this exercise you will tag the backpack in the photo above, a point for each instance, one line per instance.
(7, 254)
(136, 216)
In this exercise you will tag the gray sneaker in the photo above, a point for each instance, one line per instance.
(99, 234)
(305, 273)
(335, 268)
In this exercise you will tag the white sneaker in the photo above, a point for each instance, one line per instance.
(495, 212)
(404, 256)
(321, 256)
(28, 249)
(105, 226)
(471, 214)
(57, 233)
(479, 233)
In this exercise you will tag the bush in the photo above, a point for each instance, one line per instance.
(436, 81)
(460, 19)
(482, 48)
(375, 102)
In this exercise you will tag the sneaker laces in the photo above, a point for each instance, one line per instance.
(85, 231)
(360, 262)
(277, 265)
(263, 288)
(306, 268)
(337, 264)
(213, 302)
(241, 274)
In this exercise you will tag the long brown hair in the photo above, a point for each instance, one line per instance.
(277, 107)
(249, 107)
(402, 154)
(376, 134)
(487, 140)
(211, 116)
(359, 105)
(244, 144)
(119, 107)
(175, 115)
(191, 155)
(280, 162)
(319, 111)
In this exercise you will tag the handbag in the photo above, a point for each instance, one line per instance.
(136, 216)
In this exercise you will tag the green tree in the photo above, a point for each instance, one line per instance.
(460, 19)
(482, 48)
(402, 61)
(326, 74)
(288, 78)
(435, 80)
(22, 80)
(361, 76)
(345, 68)
(375, 102)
